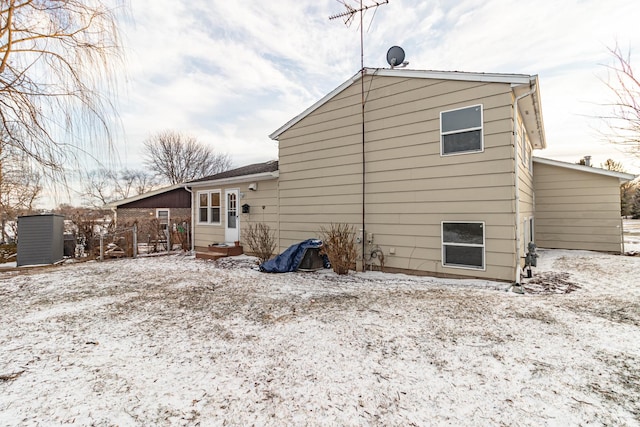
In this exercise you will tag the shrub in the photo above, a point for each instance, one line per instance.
(261, 240)
(339, 244)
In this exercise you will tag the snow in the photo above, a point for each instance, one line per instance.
(631, 235)
(173, 340)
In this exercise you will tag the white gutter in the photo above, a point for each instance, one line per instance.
(264, 176)
(193, 220)
(517, 177)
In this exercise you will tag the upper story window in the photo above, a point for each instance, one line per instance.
(461, 130)
(209, 207)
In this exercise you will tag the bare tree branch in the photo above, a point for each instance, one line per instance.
(57, 62)
(178, 158)
(624, 122)
(102, 186)
(20, 184)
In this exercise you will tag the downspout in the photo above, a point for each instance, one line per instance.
(193, 221)
(517, 178)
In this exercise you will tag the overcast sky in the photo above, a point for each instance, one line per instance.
(232, 72)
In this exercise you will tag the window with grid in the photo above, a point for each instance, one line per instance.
(463, 244)
(461, 130)
(209, 207)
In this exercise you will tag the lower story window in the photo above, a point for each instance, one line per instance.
(209, 207)
(463, 244)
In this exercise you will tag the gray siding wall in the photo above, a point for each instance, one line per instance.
(40, 239)
(410, 187)
(577, 210)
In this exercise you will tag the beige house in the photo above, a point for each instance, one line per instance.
(224, 204)
(434, 169)
(577, 207)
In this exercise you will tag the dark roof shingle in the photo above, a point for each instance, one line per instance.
(256, 168)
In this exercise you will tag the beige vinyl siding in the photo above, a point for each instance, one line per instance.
(526, 192)
(576, 210)
(266, 195)
(410, 187)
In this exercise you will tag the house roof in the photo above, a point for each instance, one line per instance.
(623, 177)
(520, 83)
(143, 196)
(250, 172)
(245, 173)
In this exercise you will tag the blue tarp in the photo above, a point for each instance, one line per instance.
(290, 259)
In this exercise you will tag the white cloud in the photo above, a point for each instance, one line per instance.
(231, 73)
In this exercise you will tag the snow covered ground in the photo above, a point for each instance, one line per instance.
(177, 341)
(631, 229)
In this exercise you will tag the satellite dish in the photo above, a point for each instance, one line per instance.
(395, 56)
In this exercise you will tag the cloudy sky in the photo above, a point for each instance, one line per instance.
(232, 72)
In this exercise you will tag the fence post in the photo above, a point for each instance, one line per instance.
(135, 240)
(101, 247)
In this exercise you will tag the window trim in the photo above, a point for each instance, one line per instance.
(475, 245)
(209, 206)
(480, 128)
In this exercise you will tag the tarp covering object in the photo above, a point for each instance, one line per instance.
(290, 259)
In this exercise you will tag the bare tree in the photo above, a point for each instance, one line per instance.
(56, 74)
(134, 182)
(624, 122)
(102, 186)
(612, 165)
(20, 184)
(627, 189)
(178, 157)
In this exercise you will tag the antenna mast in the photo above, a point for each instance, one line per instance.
(349, 15)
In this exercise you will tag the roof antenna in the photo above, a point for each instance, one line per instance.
(349, 15)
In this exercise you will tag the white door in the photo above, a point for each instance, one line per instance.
(232, 223)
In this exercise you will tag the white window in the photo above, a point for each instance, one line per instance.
(163, 218)
(463, 244)
(209, 207)
(461, 130)
(527, 230)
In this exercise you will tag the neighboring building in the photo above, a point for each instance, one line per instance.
(165, 204)
(577, 207)
(226, 203)
(168, 205)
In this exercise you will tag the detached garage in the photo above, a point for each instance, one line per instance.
(577, 207)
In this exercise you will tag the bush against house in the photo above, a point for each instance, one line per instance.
(339, 244)
(261, 240)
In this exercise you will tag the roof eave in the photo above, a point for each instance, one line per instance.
(513, 79)
(264, 176)
(622, 176)
(152, 193)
